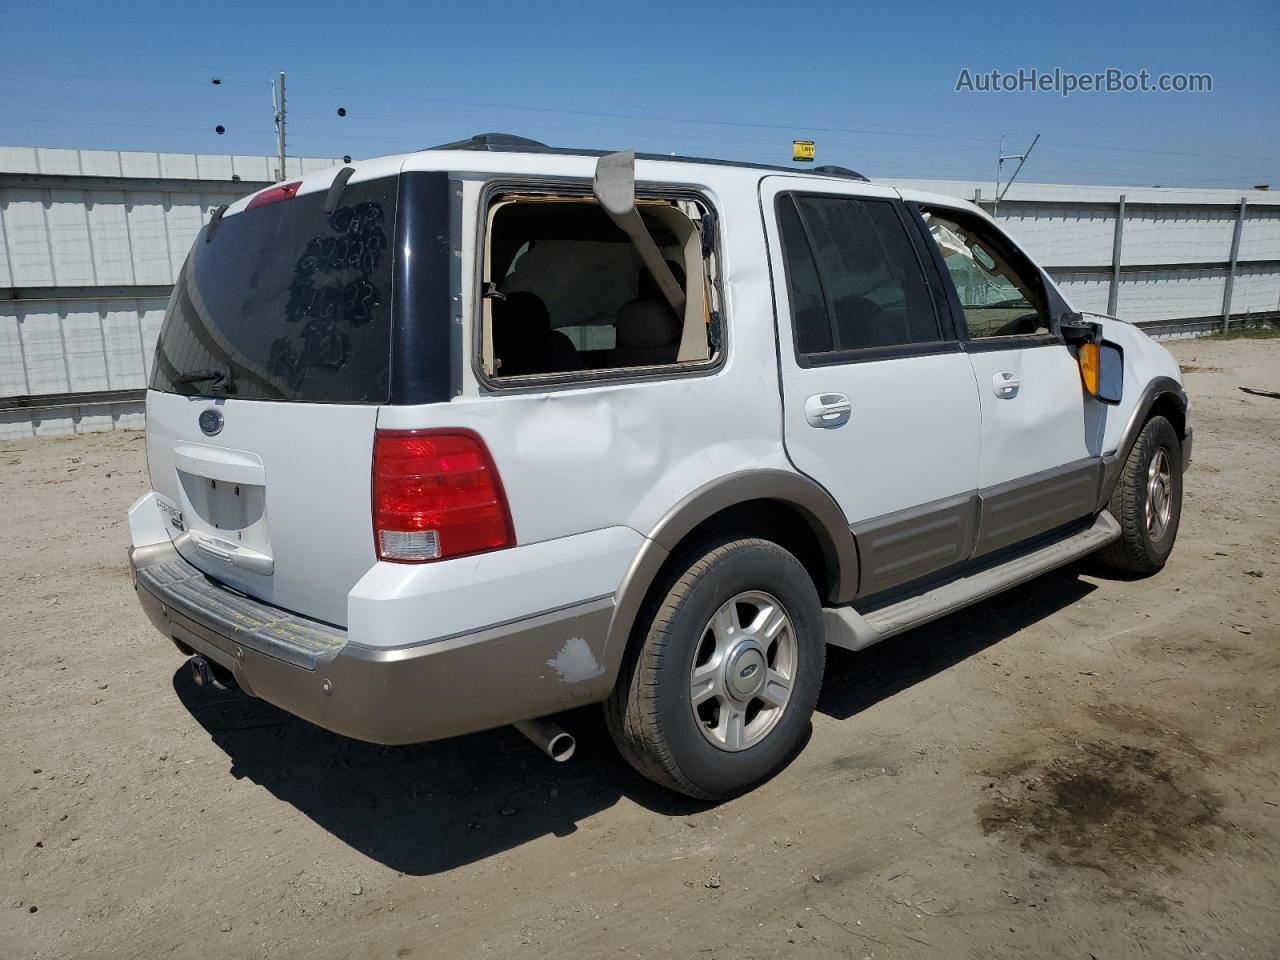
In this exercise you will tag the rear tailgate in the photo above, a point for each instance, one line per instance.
(276, 505)
(275, 355)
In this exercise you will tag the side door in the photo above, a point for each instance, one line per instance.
(1041, 434)
(879, 400)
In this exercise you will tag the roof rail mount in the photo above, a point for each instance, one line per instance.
(491, 141)
(511, 143)
(830, 171)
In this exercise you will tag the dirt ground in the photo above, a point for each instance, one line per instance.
(1085, 768)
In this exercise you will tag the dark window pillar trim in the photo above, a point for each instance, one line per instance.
(421, 316)
(836, 345)
(955, 309)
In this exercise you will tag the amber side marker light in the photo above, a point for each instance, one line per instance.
(1090, 367)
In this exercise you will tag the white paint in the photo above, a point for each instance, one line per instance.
(1049, 422)
(396, 604)
(146, 522)
(316, 461)
(912, 436)
(1144, 360)
(624, 453)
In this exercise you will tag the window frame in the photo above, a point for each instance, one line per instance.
(950, 340)
(570, 379)
(1054, 306)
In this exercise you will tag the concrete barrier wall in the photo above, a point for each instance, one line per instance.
(91, 241)
(90, 244)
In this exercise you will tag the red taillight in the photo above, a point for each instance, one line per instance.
(285, 191)
(436, 494)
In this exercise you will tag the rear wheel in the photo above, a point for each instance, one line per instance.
(717, 697)
(1147, 501)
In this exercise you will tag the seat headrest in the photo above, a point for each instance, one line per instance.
(646, 324)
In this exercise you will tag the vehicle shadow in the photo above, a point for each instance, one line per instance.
(857, 681)
(431, 807)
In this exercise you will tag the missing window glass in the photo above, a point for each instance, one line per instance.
(575, 296)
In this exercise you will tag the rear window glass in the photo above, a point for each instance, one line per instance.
(289, 302)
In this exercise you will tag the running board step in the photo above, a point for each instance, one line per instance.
(854, 631)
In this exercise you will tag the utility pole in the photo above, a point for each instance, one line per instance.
(995, 204)
(278, 104)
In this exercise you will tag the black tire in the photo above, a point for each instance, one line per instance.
(1137, 551)
(650, 713)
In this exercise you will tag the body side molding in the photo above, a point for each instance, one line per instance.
(908, 544)
(1019, 509)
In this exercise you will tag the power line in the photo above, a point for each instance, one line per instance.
(882, 130)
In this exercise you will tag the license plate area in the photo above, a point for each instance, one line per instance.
(226, 520)
(223, 506)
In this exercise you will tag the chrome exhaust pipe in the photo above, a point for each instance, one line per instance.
(549, 738)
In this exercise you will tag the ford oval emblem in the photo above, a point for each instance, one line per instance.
(211, 422)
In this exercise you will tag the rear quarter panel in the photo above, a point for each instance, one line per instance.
(580, 458)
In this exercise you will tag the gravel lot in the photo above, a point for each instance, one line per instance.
(1082, 768)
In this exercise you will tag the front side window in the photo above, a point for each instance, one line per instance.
(999, 291)
(566, 292)
(854, 279)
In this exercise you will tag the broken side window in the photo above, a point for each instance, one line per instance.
(567, 292)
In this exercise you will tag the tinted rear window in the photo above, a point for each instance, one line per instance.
(853, 275)
(294, 303)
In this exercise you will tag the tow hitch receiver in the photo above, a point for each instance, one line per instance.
(206, 674)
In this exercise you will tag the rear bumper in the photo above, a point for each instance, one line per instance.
(517, 671)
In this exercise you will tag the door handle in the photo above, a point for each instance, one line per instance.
(1005, 385)
(828, 410)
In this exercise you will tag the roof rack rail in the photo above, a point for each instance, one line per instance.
(492, 141)
(832, 171)
(512, 143)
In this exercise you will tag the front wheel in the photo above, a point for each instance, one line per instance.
(1147, 501)
(717, 697)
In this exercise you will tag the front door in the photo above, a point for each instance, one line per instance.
(879, 401)
(1041, 434)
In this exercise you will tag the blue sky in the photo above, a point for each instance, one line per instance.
(873, 84)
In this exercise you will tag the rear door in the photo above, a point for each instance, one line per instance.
(1041, 435)
(274, 357)
(879, 401)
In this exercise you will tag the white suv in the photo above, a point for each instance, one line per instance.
(471, 436)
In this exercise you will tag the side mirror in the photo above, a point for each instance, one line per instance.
(1102, 371)
(1075, 329)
